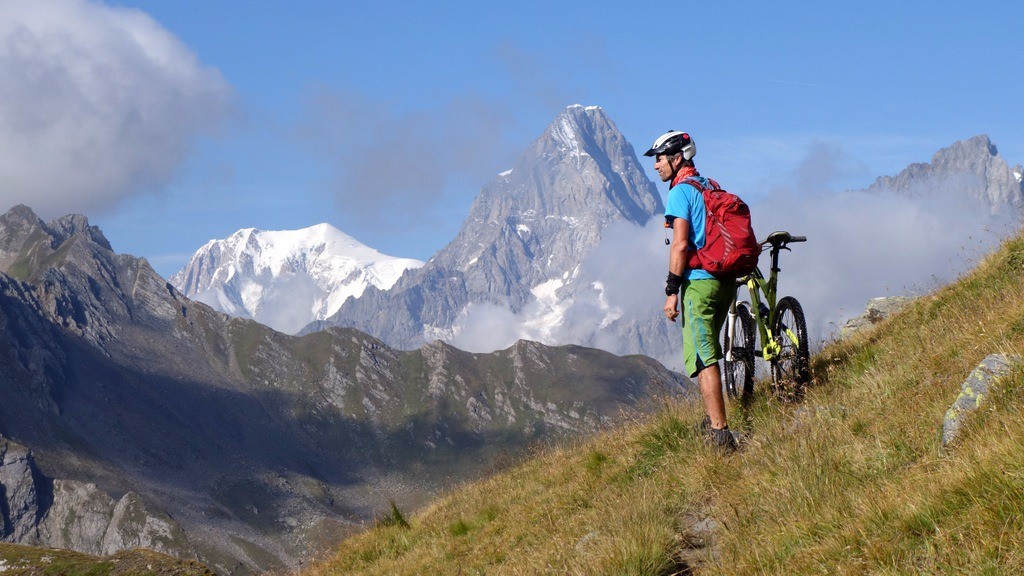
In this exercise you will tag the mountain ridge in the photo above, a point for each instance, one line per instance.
(270, 446)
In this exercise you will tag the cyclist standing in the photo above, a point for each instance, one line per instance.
(706, 299)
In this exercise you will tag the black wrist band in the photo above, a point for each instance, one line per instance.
(672, 284)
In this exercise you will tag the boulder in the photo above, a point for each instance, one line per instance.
(878, 309)
(974, 391)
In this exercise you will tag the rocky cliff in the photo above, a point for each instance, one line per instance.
(40, 511)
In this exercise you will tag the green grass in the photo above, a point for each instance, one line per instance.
(851, 481)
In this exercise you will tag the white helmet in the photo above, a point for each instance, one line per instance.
(673, 142)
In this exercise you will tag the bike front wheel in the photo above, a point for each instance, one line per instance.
(791, 368)
(738, 367)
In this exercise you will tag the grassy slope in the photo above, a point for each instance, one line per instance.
(850, 481)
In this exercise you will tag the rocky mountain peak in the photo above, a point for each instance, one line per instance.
(20, 213)
(21, 228)
(526, 234)
(978, 151)
(579, 176)
(65, 227)
(576, 128)
(585, 138)
(77, 279)
(971, 168)
(16, 227)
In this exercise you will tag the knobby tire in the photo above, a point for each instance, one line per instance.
(791, 369)
(738, 374)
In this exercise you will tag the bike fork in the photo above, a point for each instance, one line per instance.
(730, 330)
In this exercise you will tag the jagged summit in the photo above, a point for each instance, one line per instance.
(286, 278)
(971, 167)
(572, 126)
(20, 211)
(20, 225)
(577, 177)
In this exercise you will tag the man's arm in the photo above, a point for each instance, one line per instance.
(680, 243)
(677, 262)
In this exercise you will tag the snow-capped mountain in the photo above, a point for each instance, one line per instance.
(286, 279)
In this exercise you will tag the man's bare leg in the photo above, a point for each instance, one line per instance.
(710, 381)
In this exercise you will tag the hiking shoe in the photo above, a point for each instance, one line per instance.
(722, 439)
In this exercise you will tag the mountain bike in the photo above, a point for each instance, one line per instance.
(780, 325)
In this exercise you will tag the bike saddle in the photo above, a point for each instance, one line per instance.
(778, 238)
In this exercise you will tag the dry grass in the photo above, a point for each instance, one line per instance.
(607, 502)
(851, 481)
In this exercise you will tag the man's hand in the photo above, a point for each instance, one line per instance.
(672, 307)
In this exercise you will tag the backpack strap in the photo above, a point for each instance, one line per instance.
(693, 258)
(713, 185)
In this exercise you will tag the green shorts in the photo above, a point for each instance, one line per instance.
(704, 307)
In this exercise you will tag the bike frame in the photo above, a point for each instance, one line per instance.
(756, 286)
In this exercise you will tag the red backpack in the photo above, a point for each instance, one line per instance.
(730, 247)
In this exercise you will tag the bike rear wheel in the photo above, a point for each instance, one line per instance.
(738, 373)
(791, 368)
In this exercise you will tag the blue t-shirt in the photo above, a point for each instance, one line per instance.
(685, 201)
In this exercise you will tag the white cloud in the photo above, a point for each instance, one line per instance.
(96, 103)
(620, 278)
(862, 246)
(488, 327)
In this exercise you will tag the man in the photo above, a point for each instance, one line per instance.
(705, 298)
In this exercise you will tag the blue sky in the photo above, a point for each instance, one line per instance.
(386, 119)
